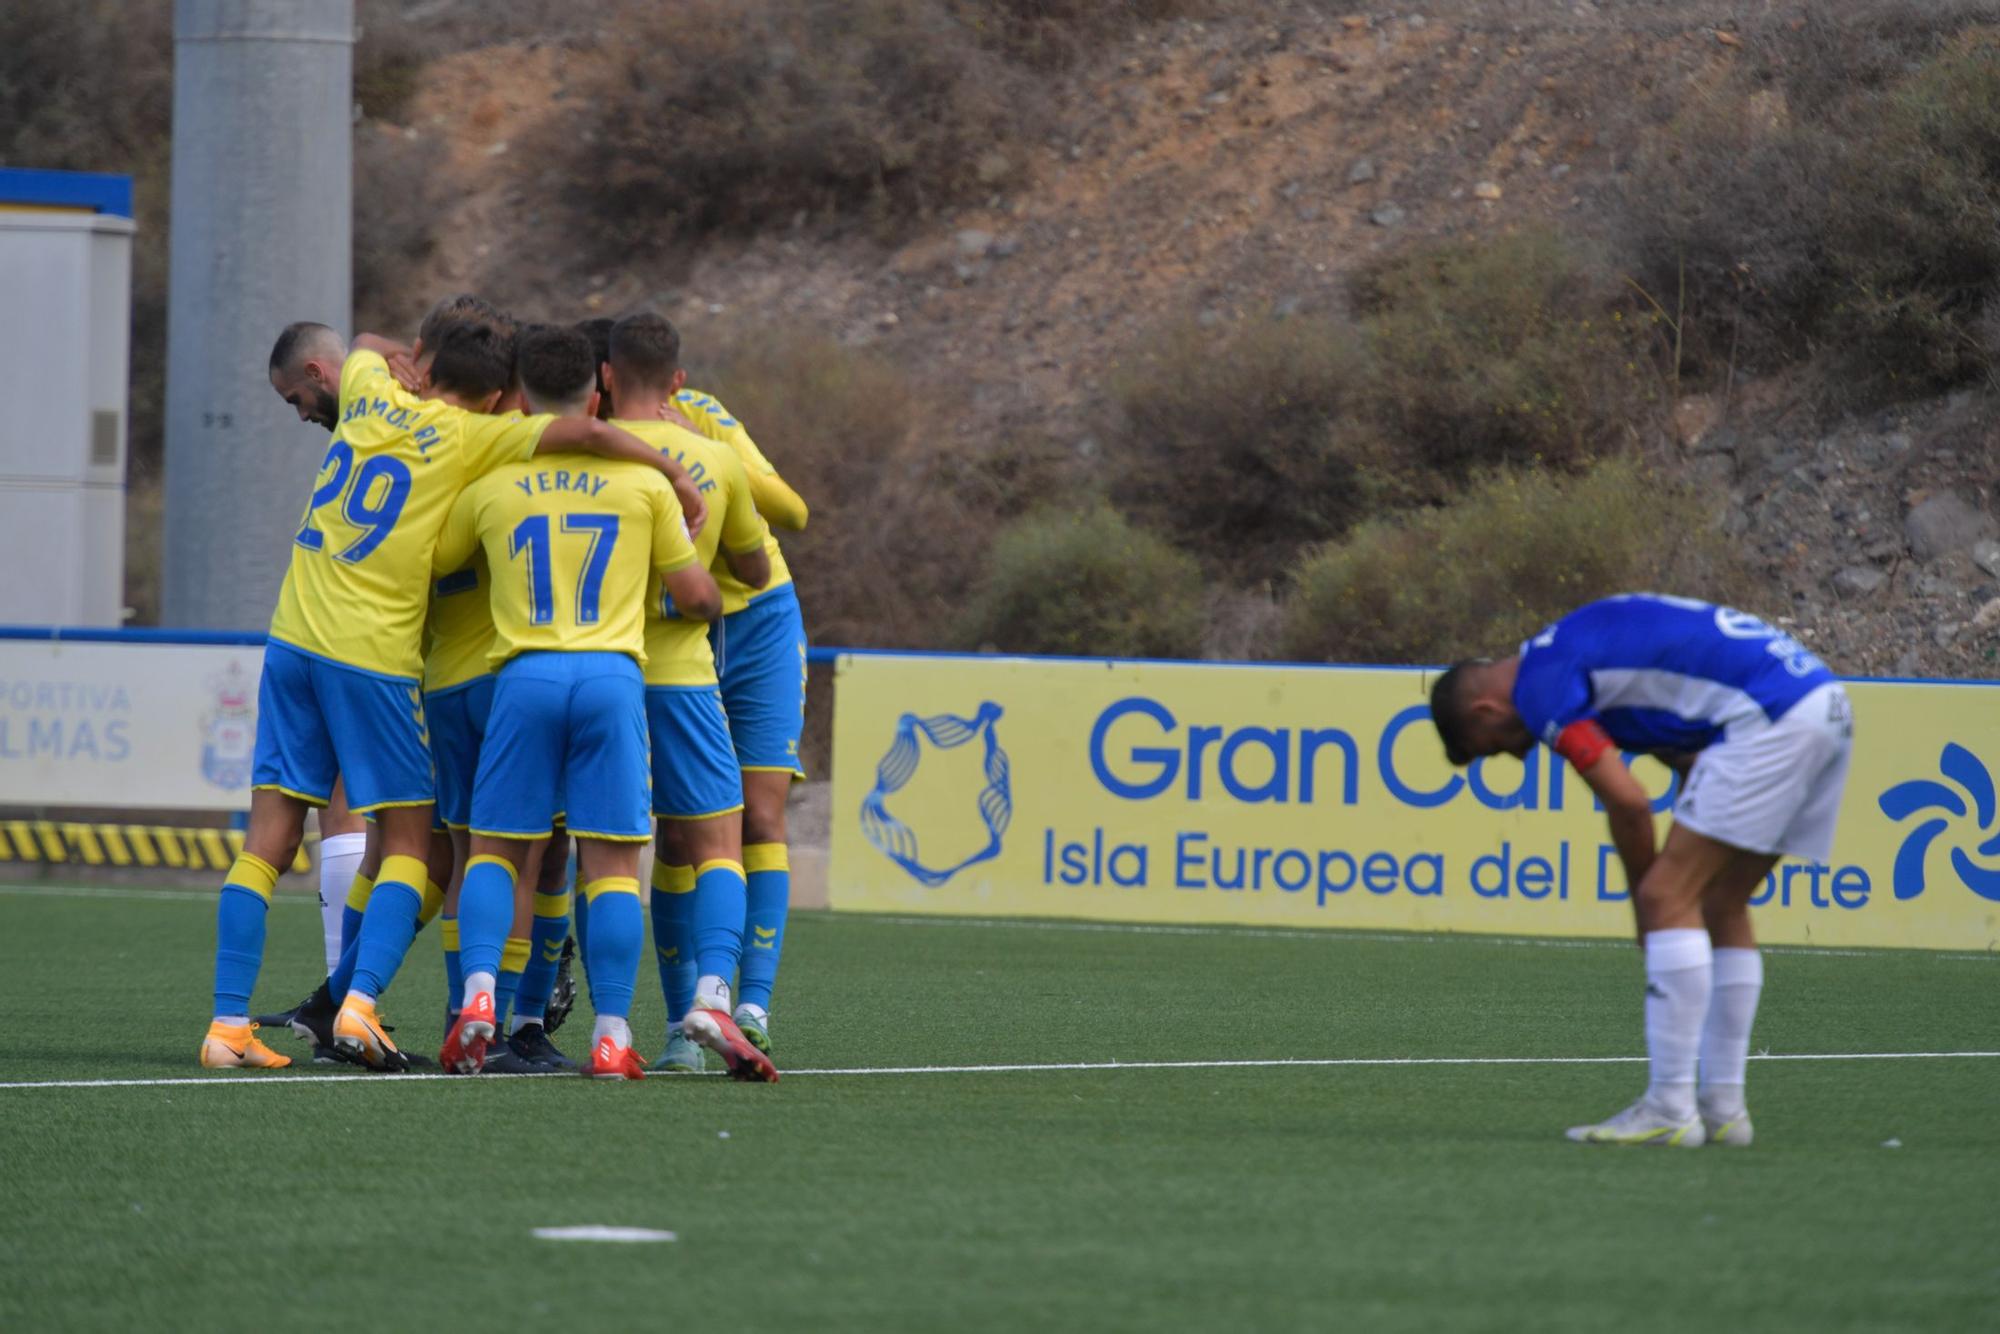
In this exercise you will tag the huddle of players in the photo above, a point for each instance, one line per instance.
(566, 678)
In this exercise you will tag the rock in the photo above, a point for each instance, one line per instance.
(1988, 616)
(1361, 172)
(1907, 663)
(1288, 305)
(993, 167)
(1006, 247)
(1308, 212)
(1945, 632)
(973, 243)
(1694, 418)
(1560, 170)
(887, 320)
(1858, 581)
(1946, 522)
(1487, 190)
(1388, 215)
(1986, 555)
(1885, 550)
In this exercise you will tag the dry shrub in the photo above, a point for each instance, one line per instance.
(734, 115)
(1229, 439)
(1085, 584)
(1517, 550)
(1505, 351)
(1049, 33)
(1840, 209)
(395, 222)
(890, 545)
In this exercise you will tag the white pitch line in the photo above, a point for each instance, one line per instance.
(1124, 928)
(1270, 1063)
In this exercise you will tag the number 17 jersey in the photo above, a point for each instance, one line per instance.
(570, 543)
(360, 578)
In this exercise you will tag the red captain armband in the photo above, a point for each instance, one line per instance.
(1582, 743)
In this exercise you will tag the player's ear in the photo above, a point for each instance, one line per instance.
(491, 403)
(590, 408)
(675, 385)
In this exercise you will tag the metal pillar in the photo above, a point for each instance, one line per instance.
(261, 235)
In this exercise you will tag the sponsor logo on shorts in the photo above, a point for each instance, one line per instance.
(1961, 801)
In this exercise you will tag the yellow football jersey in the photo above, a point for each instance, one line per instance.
(458, 643)
(360, 577)
(775, 500)
(677, 650)
(571, 543)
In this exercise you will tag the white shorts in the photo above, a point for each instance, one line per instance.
(1776, 790)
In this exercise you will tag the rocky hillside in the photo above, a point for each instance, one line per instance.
(1243, 168)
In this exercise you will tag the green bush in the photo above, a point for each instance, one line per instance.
(1505, 351)
(1517, 550)
(1087, 583)
(1229, 440)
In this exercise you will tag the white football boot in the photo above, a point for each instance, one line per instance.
(1641, 1123)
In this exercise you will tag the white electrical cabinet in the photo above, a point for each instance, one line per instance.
(65, 346)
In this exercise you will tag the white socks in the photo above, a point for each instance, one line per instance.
(476, 983)
(1679, 967)
(339, 858)
(711, 993)
(613, 1027)
(520, 1021)
(1725, 1036)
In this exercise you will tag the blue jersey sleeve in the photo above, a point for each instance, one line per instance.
(1551, 692)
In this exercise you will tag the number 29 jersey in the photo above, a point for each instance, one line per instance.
(360, 578)
(570, 544)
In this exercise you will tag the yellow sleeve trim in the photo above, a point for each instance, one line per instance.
(719, 864)
(552, 905)
(448, 933)
(433, 902)
(514, 954)
(766, 857)
(359, 891)
(404, 870)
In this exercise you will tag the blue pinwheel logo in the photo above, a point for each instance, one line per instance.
(1969, 792)
(945, 731)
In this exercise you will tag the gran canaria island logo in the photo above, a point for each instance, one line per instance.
(961, 829)
(1969, 793)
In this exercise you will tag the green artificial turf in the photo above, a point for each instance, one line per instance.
(1377, 1197)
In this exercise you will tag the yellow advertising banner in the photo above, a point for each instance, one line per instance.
(1320, 797)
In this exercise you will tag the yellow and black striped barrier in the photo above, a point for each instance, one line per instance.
(144, 846)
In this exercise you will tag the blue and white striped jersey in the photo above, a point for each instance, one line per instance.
(1662, 673)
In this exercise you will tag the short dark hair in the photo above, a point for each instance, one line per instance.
(460, 308)
(1448, 700)
(473, 360)
(556, 363)
(646, 349)
(598, 330)
(297, 338)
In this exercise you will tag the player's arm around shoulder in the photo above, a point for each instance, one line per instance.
(743, 529)
(774, 498)
(366, 375)
(587, 435)
(691, 587)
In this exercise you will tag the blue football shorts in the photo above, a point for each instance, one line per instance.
(760, 656)
(694, 765)
(566, 737)
(458, 728)
(318, 720)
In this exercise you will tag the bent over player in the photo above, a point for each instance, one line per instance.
(1761, 732)
(571, 545)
